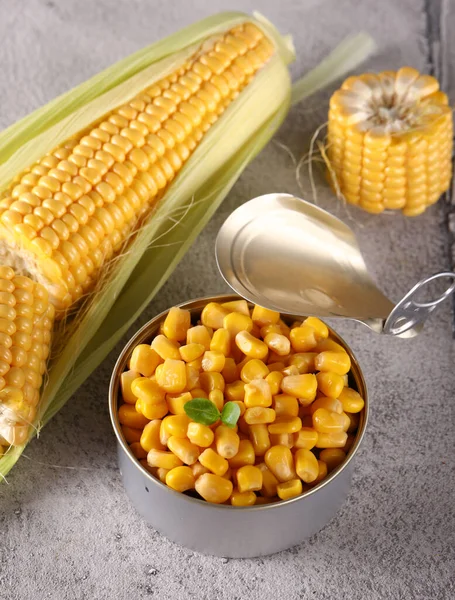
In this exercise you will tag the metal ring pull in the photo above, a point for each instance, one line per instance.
(409, 315)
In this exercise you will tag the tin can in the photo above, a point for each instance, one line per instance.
(222, 530)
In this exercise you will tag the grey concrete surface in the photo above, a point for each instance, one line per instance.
(67, 530)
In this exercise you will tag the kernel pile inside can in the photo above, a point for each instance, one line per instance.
(298, 415)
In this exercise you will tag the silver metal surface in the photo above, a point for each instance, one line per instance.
(288, 255)
(223, 530)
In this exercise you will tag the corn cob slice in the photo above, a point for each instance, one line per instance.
(390, 141)
(63, 219)
(26, 321)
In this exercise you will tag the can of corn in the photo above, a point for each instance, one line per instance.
(219, 529)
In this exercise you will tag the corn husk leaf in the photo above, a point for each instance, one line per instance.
(243, 130)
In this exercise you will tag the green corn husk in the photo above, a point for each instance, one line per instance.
(201, 185)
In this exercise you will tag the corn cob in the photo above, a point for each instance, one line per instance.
(390, 141)
(65, 217)
(26, 320)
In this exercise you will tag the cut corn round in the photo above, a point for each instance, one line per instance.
(390, 141)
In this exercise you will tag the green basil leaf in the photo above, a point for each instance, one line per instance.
(202, 410)
(230, 414)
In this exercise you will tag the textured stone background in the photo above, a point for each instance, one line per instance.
(67, 530)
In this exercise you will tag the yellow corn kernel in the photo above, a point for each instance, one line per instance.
(285, 405)
(282, 439)
(275, 328)
(280, 462)
(243, 498)
(144, 360)
(346, 421)
(249, 479)
(217, 397)
(176, 324)
(278, 343)
(166, 348)
(137, 450)
(176, 425)
(213, 315)
(322, 473)
(147, 390)
(176, 402)
(236, 322)
(128, 415)
(212, 381)
(230, 372)
(152, 410)
(213, 488)
(191, 352)
(198, 469)
(330, 384)
(259, 437)
(325, 421)
(250, 345)
(253, 369)
(200, 435)
(126, 379)
(245, 455)
(335, 439)
(199, 335)
(303, 338)
(163, 459)
(337, 362)
(240, 306)
(289, 489)
(171, 376)
(303, 361)
(236, 354)
(332, 457)
(269, 481)
(257, 415)
(161, 473)
(227, 441)
(213, 462)
(180, 479)
(321, 329)
(276, 367)
(290, 370)
(329, 345)
(235, 391)
(196, 364)
(221, 342)
(274, 380)
(150, 437)
(285, 424)
(192, 378)
(257, 393)
(263, 316)
(330, 404)
(351, 400)
(131, 434)
(306, 465)
(304, 387)
(213, 361)
(187, 452)
(306, 438)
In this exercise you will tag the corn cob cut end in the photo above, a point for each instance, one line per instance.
(26, 321)
(390, 139)
(63, 219)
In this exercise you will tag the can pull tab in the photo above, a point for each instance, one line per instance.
(409, 315)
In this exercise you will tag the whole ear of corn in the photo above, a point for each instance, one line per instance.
(390, 139)
(104, 170)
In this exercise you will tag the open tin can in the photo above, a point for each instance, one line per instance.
(221, 530)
